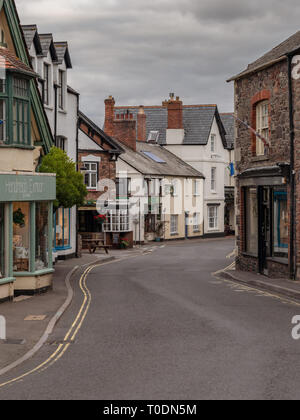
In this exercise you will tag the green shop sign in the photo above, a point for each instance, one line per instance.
(27, 188)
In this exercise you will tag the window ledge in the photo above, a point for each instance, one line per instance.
(36, 273)
(248, 254)
(63, 111)
(174, 234)
(279, 260)
(7, 280)
(16, 146)
(259, 158)
(48, 107)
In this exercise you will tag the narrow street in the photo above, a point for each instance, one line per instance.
(161, 326)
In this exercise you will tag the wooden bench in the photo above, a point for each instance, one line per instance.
(94, 241)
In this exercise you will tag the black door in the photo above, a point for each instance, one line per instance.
(264, 227)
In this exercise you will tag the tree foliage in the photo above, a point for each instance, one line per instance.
(70, 188)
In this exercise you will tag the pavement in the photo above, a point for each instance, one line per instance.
(278, 286)
(31, 319)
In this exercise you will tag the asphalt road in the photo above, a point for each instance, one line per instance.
(160, 326)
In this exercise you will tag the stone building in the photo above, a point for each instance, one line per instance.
(267, 105)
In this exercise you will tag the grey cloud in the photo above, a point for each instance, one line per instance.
(139, 51)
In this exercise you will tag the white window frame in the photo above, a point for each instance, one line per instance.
(197, 189)
(90, 172)
(213, 217)
(174, 224)
(262, 126)
(213, 139)
(213, 184)
(46, 87)
(196, 222)
(61, 90)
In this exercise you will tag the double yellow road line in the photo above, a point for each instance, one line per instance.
(71, 334)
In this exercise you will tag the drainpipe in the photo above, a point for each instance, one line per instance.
(292, 261)
(55, 113)
(77, 167)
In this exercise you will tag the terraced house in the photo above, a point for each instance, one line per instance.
(26, 197)
(51, 61)
(267, 104)
(197, 135)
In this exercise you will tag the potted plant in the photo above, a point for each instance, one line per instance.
(160, 231)
(100, 219)
(19, 218)
(124, 244)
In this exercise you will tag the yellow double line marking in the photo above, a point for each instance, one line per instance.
(71, 334)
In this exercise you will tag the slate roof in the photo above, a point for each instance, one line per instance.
(197, 122)
(48, 44)
(174, 166)
(229, 123)
(31, 36)
(276, 54)
(62, 52)
(10, 62)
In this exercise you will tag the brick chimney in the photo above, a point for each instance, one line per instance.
(109, 116)
(175, 112)
(124, 129)
(141, 125)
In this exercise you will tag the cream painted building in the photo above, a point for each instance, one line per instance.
(202, 138)
(165, 194)
(26, 196)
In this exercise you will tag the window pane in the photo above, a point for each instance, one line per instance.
(15, 120)
(66, 227)
(281, 229)
(41, 237)
(251, 220)
(21, 236)
(2, 121)
(2, 243)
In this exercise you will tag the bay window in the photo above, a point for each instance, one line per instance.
(15, 111)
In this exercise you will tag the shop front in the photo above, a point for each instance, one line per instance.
(265, 224)
(26, 233)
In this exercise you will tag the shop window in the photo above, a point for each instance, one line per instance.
(21, 237)
(2, 243)
(251, 216)
(62, 228)
(281, 225)
(42, 236)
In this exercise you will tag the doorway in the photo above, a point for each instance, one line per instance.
(264, 228)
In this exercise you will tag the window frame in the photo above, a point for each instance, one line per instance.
(213, 138)
(213, 179)
(61, 89)
(174, 223)
(262, 113)
(91, 172)
(214, 217)
(46, 86)
(18, 108)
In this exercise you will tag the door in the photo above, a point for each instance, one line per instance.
(187, 222)
(264, 228)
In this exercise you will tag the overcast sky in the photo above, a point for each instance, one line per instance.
(139, 50)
